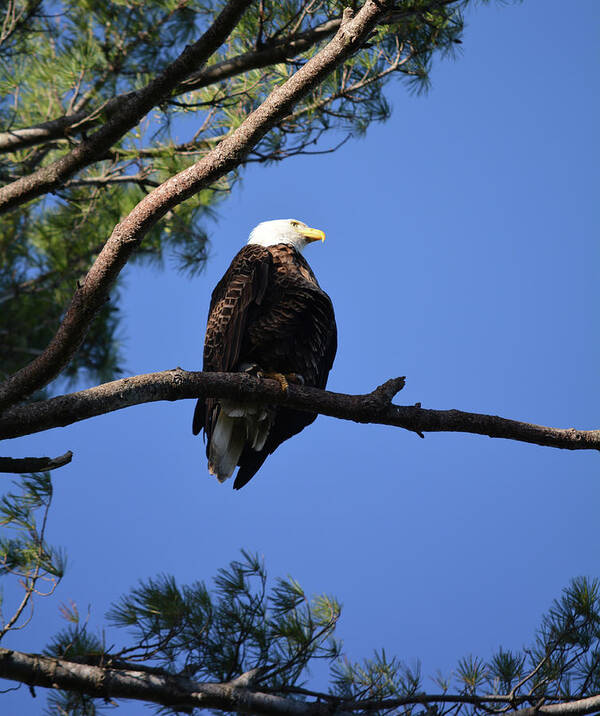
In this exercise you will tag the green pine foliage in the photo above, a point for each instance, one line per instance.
(274, 635)
(33, 566)
(241, 626)
(68, 57)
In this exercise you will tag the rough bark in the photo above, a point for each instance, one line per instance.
(102, 682)
(154, 686)
(375, 407)
(578, 707)
(227, 155)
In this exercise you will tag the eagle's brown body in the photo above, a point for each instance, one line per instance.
(268, 312)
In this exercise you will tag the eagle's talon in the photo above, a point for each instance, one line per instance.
(280, 378)
(253, 369)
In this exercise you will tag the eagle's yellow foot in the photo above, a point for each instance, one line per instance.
(280, 378)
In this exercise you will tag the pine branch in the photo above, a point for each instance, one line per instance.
(511, 701)
(271, 52)
(34, 464)
(177, 692)
(12, 140)
(128, 234)
(15, 19)
(132, 108)
(568, 708)
(375, 407)
(182, 693)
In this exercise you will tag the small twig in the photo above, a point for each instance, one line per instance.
(385, 393)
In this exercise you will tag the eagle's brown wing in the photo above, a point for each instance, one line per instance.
(309, 346)
(242, 287)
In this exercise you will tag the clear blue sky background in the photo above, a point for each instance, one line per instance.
(462, 251)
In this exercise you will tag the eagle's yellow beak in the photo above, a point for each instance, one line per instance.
(311, 234)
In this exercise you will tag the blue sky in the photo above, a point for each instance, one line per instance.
(462, 251)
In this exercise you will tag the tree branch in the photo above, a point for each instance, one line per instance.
(182, 693)
(174, 691)
(569, 708)
(227, 155)
(12, 140)
(579, 706)
(34, 464)
(272, 52)
(374, 407)
(132, 107)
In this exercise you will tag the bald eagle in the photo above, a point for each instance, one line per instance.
(268, 316)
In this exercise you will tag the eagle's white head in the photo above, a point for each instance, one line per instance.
(285, 231)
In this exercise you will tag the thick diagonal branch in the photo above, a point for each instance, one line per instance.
(131, 109)
(154, 686)
(227, 155)
(375, 407)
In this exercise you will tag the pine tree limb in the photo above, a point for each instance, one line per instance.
(177, 692)
(578, 707)
(182, 693)
(374, 407)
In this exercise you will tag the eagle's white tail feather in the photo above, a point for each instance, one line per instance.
(234, 411)
(257, 431)
(226, 445)
(237, 425)
(257, 412)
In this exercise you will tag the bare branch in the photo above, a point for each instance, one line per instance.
(132, 107)
(141, 178)
(174, 691)
(15, 139)
(580, 706)
(570, 708)
(34, 464)
(154, 686)
(227, 155)
(374, 407)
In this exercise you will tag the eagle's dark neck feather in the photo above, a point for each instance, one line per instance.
(286, 258)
